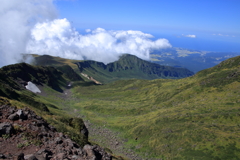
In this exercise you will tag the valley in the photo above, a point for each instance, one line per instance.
(195, 117)
(119, 80)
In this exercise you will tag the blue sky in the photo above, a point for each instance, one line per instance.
(216, 20)
(109, 28)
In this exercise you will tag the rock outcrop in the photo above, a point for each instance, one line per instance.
(27, 136)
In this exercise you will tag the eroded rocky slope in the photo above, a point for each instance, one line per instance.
(27, 136)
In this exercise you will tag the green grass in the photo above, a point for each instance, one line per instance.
(128, 67)
(160, 118)
(171, 119)
(192, 118)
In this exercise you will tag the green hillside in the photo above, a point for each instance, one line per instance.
(46, 60)
(52, 83)
(191, 118)
(128, 67)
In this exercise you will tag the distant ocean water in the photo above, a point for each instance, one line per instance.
(202, 44)
(219, 44)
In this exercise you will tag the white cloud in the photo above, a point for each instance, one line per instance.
(223, 35)
(16, 19)
(88, 30)
(58, 38)
(32, 26)
(190, 36)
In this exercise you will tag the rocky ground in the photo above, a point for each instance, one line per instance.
(98, 134)
(111, 140)
(26, 136)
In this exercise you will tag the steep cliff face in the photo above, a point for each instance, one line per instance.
(129, 66)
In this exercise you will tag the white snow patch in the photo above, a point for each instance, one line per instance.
(32, 87)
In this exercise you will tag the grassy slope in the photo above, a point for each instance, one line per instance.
(52, 83)
(53, 104)
(47, 60)
(129, 66)
(192, 118)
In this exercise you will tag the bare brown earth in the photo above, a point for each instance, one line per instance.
(90, 78)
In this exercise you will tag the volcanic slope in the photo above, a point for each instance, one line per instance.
(191, 118)
(127, 67)
(53, 104)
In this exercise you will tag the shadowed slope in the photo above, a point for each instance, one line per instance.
(128, 67)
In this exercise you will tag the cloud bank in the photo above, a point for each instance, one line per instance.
(16, 19)
(58, 38)
(31, 26)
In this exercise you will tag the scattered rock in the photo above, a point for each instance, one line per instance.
(48, 143)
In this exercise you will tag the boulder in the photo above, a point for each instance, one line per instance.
(14, 117)
(30, 157)
(60, 156)
(90, 153)
(21, 114)
(58, 140)
(6, 128)
(2, 156)
(20, 156)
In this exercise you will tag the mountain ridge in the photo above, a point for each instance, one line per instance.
(32, 137)
(130, 66)
(195, 117)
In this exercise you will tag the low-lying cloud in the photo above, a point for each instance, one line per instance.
(31, 26)
(17, 19)
(58, 38)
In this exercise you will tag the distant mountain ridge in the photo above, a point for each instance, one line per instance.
(128, 67)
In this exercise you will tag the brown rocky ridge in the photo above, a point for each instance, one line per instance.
(27, 136)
